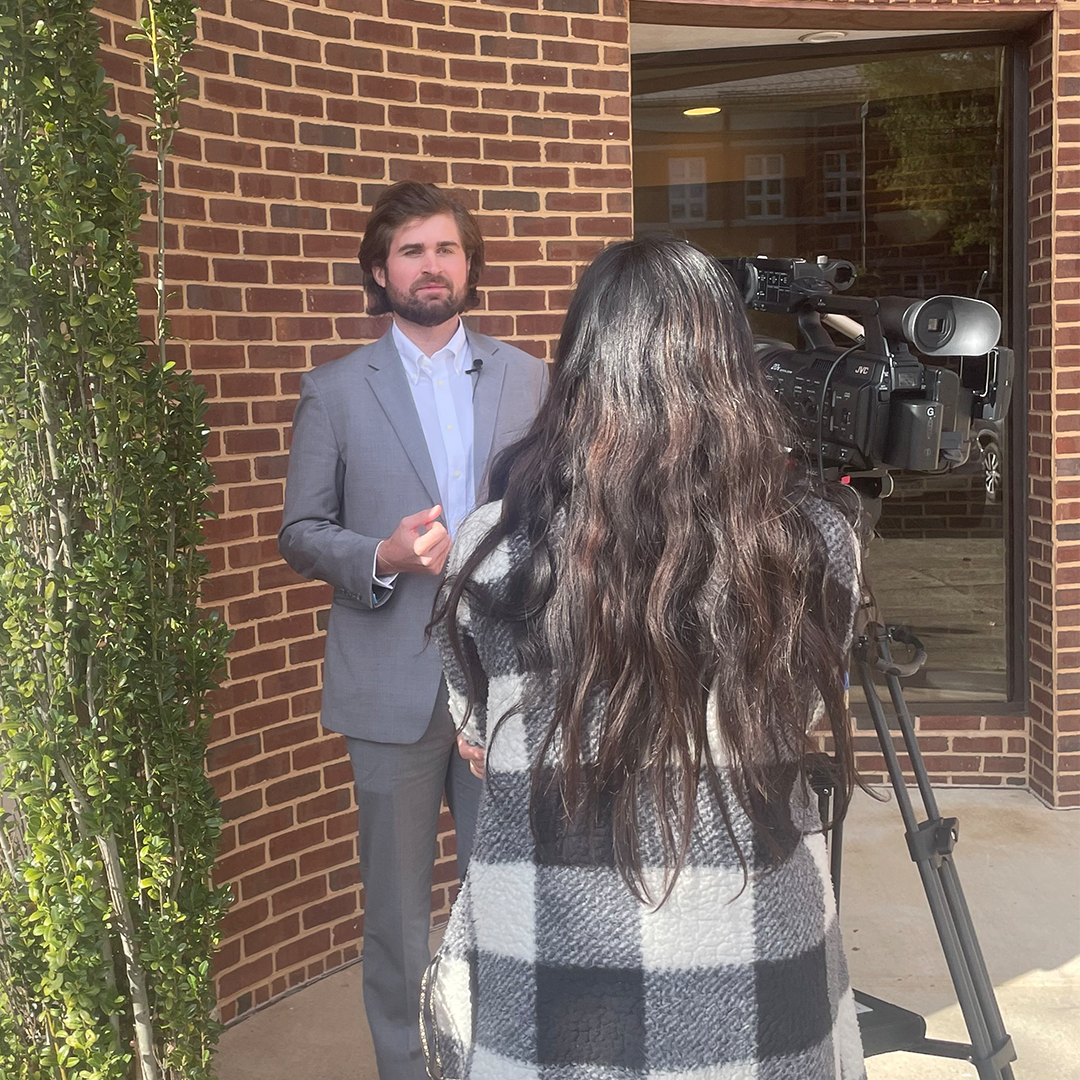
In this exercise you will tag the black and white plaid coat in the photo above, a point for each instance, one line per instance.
(550, 969)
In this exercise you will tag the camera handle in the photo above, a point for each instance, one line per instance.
(864, 309)
(886, 1027)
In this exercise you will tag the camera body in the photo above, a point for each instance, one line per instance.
(878, 404)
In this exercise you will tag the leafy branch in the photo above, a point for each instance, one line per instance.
(108, 825)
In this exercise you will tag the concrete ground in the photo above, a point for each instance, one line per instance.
(1019, 864)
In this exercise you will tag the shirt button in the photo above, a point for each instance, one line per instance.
(440, 382)
(457, 475)
(449, 427)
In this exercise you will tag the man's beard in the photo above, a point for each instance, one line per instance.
(420, 312)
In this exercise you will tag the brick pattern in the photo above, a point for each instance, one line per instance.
(967, 751)
(953, 505)
(1041, 629)
(1055, 758)
(302, 112)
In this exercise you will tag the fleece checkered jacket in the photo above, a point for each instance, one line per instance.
(550, 969)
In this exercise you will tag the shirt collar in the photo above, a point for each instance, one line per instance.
(416, 363)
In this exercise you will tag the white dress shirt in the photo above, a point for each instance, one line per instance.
(442, 392)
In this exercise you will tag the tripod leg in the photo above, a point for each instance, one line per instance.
(836, 856)
(984, 1053)
(980, 977)
(823, 781)
(945, 869)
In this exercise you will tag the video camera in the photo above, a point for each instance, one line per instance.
(875, 405)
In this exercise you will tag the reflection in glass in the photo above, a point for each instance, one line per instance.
(897, 165)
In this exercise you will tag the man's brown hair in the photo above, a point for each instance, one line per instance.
(397, 206)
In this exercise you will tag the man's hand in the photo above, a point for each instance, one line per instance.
(474, 755)
(419, 545)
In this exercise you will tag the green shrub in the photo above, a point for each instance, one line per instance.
(108, 825)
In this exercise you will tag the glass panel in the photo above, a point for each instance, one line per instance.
(895, 164)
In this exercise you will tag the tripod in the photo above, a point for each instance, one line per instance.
(886, 1027)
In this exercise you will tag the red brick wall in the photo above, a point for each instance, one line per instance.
(1054, 537)
(1041, 629)
(966, 751)
(302, 113)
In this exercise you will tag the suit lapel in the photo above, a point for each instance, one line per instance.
(486, 397)
(391, 386)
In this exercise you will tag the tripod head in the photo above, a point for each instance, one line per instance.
(880, 658)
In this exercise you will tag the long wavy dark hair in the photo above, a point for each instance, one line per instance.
(668, 559)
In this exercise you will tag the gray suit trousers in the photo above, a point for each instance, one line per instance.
(399, 787)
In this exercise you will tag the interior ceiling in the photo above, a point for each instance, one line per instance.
(654, 38)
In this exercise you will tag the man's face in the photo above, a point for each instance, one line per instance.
(426, 272)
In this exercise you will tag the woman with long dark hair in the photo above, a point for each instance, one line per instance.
(644, 631)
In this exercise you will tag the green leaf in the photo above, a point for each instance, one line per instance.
(123, 466)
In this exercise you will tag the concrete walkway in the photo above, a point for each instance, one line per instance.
(1019, 864)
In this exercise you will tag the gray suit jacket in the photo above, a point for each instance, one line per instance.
(359, 463)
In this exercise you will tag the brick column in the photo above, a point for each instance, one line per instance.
(1041, 640)
(302, 113)
(1054, 416)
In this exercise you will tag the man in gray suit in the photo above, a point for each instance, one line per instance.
(390, 448)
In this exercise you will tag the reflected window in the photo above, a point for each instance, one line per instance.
(841, 187)
(764, 185)
(896, 163)
(686, 189)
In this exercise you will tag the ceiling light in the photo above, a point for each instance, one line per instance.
(702, 110)
(818, 37)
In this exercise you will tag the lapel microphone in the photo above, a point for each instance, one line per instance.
(477, 367)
